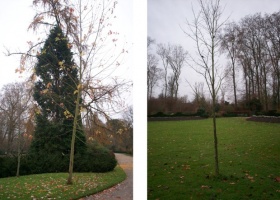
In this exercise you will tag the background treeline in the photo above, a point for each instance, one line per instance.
(17, 122)
(252, 72)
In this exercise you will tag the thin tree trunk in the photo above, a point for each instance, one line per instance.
(216, 145)
(214, 110)
(278, 90)
(18, 154)
(234, 85)
(71, 163)
(77, 110)
(18, 163)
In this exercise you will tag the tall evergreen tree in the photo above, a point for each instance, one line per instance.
(55, 93)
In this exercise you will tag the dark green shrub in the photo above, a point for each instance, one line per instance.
(273, 113)
(255, 105)
(7, 166)
(159, 114)
(179, 114)
(46, 163)
(96, 159)
(229, 115)
(202, 113)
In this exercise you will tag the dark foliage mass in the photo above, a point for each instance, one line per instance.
(55, 94)
(95, 159)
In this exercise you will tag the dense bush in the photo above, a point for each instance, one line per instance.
(229, 114)
(272, 113)
(158, 114)
(239, 113)
(7, 166)
(96, 159)
(201, 112)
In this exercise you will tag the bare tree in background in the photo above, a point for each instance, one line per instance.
(163, 52)
(272, 36)
(176, 60)
(15, 115)
(229, 45)
(150, 41)
(173, 57)
(154, 74)
(198, 92)
(205, 31)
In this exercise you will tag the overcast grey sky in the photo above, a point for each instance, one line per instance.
(15, 17)
(166, 17)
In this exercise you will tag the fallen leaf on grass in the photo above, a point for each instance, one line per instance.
(251, 178)
(205, 187)
(277, 179)
(186, 167)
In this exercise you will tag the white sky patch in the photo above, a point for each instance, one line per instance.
(15, 17)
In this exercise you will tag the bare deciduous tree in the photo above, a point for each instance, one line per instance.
(205, 31)
(176, 60)
(173, 57)
(163, 52)
(229, 45)
(154, 74)
(15, 113)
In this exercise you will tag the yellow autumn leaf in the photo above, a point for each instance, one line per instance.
(67, 114)
(44, 51)
(49, 85)
(79, 87)
(37, 111)
(45, 91)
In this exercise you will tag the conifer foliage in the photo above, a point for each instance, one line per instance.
(55, 95)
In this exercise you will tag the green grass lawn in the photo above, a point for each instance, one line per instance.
(181, 160)
(53, 186)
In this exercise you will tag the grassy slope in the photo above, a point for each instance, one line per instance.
(181, 160)
(53, 186)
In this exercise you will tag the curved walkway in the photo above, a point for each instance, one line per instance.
(123, 190)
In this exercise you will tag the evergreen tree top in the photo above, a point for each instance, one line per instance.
(57, 76)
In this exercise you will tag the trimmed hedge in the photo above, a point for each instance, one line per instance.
(200, 112)
(96, 159)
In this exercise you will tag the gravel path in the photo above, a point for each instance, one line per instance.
(123, 190)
